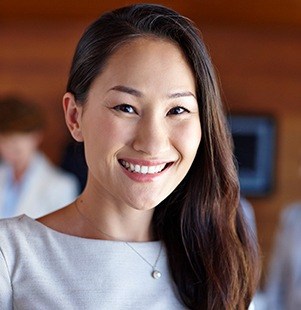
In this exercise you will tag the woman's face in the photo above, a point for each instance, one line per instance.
(17, 149)
(140, 125)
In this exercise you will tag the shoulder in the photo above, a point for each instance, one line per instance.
(53, 174)
(289, 229)
(14, 233)
(11, 223)
(11, 228)
(291, 214)
(21, 236)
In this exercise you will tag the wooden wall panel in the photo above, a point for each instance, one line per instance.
(34, 63)
(268, 12)
(259, 70)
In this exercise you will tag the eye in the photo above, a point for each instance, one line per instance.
(126, 108)
(177, 110)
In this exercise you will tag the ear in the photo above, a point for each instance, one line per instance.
(73, 114)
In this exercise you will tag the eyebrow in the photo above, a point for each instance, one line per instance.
(128, 90)
(137, 93)
(182, 94)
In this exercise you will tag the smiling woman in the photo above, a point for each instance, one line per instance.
(162, 192)
(148, 123)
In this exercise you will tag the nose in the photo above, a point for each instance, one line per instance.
(152, 136)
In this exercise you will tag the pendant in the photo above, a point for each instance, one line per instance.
(156, 274)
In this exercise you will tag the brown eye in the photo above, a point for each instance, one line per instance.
(177, 110)
(126, 108)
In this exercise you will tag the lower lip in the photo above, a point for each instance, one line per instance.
(140, 177)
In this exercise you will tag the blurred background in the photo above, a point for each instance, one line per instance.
(255, 46)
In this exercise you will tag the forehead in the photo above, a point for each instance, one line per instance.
(145, 47)
(143, 61)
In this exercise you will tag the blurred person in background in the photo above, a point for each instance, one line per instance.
(248, 212)
(29, 183)
(283, 289)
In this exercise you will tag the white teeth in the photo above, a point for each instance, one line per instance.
(142, 169)
(137, 168)
(152, 169)
(132, 167)
(159, 168)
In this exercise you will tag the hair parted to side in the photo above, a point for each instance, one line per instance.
(212, 255)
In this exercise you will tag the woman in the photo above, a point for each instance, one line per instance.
(283, 286)
(158, 225)
(29, 182)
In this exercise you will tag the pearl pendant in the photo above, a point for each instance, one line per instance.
(156, 274)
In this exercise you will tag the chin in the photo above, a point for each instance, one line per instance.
(145, 201)
(143, 207)
(147, 206)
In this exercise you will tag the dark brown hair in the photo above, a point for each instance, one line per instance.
(18, 115)
(212, 256)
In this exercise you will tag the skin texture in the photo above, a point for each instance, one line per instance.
(142, 109)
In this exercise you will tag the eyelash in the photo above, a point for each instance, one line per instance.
(124, 108)
(178, 107)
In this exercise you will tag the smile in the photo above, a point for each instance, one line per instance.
(143, 169)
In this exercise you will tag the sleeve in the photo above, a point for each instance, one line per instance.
(280, 270)
(6, 291)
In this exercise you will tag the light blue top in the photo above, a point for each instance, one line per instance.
(11, 195)
(12, 191)
(43, 189)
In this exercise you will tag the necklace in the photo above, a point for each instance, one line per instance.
(156, 274)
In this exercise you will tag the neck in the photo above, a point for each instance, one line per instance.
(19, 169)
(18, 173)
(103, 222)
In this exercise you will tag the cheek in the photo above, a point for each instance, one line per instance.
(9, 149)
(5, 153)
(119, 132)
(12, 153)
(106, 135)
(188, 140)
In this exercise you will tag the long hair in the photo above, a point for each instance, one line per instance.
(212, 256)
